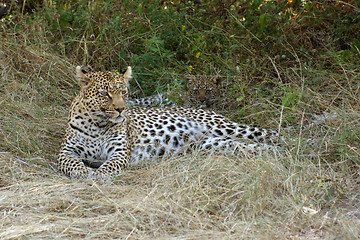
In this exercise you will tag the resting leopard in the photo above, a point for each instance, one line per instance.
(202, 91)
(104, 136)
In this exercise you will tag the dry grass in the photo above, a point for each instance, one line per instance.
(307, 191)
(195, 197)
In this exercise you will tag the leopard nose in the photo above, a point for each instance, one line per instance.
(202, 96)
(119, 109)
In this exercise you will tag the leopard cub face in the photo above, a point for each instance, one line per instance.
(203, 91)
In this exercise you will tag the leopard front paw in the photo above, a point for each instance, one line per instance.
(80, 173)
(102, 175)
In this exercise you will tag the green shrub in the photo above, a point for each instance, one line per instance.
(203, 37)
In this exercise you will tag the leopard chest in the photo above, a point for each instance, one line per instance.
(95, 143)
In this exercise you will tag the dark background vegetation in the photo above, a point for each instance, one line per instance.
(263, 48)
(161, 38)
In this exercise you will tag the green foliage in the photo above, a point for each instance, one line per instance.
(200, 36)
(290, 97)
(175, 90)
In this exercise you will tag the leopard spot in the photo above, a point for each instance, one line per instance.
(171, 128)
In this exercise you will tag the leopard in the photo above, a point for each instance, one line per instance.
(104, 136)
(202, 91)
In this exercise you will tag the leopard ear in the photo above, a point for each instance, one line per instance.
(216, 79)
(128, 75)
(83, 80)
(189, 79)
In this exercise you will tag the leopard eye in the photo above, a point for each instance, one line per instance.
(124, 92)
(104, 94)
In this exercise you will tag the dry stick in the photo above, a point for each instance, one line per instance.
(105, 195)
(281, 116)
(272, 62)
(345, 3)
(282, 107)
(299, 138)
(132, 231)
(86, 53)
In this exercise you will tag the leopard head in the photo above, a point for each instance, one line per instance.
(203, 90)
(103, 95)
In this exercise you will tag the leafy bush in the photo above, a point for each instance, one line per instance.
(170, 39)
